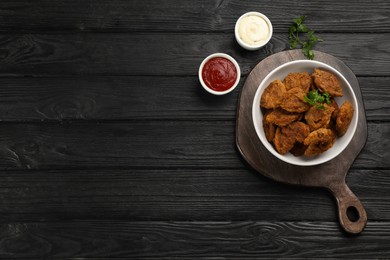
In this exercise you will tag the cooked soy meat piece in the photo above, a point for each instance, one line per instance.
(269, 128)
(273, 94)
(344, 118)
(318, 117)
(298, 149)
(301, 80)
(336, 108)
(283, 141)
(300, 130)
(293, 101)
(281, 117)
(327, 82)
(319, 141)
(287, 136)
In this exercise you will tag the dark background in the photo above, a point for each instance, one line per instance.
(109, 147)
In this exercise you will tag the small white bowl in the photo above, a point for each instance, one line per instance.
(222, 55)
(253, 47)
(308, 66)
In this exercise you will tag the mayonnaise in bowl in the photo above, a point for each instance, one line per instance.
(253, 30)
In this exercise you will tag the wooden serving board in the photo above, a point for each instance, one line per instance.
(330, 175)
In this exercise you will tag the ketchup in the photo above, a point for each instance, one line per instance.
(219, 74)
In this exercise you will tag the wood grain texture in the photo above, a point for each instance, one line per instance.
(110, 149)
(185, 240)
(124, 98)
(170, 15)
(167, 53)
(163, 144)
(177, 194)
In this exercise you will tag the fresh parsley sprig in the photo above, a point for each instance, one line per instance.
(317, 99)
(296, 29)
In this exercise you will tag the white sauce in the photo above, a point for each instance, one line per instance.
(253, 30)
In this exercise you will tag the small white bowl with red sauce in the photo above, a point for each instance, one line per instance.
(219, 73)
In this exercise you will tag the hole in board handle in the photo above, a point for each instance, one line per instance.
(352, 214)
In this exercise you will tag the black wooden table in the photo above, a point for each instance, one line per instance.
(109, 147)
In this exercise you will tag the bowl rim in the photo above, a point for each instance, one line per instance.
(315, 160)
(245, 45)
(222, 55)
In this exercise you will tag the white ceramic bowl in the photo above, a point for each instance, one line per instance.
(253, 47)
(308, 66)
(222, 55)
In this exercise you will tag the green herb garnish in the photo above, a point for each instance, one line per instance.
(298, 27)
(317, 99)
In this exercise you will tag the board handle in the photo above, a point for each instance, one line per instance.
(352, 215)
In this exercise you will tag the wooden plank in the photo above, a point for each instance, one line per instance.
(201, 144)
(170, 15)
(376, 101)
(189, 240)
(166, 53)
(122, 98)
(179, 194)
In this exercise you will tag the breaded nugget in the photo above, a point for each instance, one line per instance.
(281, 117)
(336, 108)
(299, 129)
(298, 149)
(272, 95)
(344, 118)
(283, 141)
(327, 82)
(287, 136)
(293, 101)
(319, 141)
(269, 128)
(318, 117)
(300, 80)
